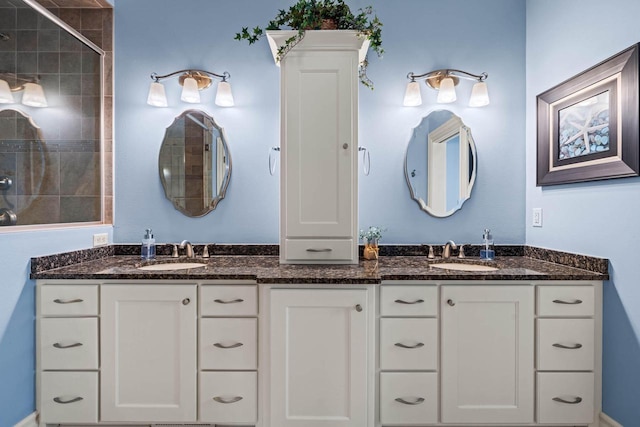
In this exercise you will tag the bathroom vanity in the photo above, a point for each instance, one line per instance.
(243, 340)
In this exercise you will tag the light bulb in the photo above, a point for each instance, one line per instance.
(6, 97)
(479, 95)
(447, 91)
(224, 97)
(157, 96)
(190, 91)
(412, 97)
(33, 95)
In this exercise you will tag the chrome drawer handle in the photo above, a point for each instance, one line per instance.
(559, 301)
(568, 347)
(67, 301)
(58, 345)
(230, 400)
(574, 402)
(417, 401)
(233, 301)
(319, 250)
(236, 345)
(399, 344)
(64, 402)
(401, 301)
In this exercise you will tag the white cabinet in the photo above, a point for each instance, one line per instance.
(319, 360)
(148, 352)
(319, 147)
(487, 354)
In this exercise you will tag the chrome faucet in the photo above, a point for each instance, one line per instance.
(189, 251)
(446, 249)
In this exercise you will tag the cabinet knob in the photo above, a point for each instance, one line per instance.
(450, 302)
(358, 308)
(345, 145)
(186, 301)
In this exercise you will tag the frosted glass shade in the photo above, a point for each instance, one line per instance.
(412, 97)
(447, 91)
(157, 97)
(224, 97)
(33, 95)
(190, 91)
(479, 95)
(6, 97)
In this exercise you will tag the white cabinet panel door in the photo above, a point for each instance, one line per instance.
(487, 354)
(148, 353)
(318, 358)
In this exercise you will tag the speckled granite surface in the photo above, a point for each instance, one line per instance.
(111, 264)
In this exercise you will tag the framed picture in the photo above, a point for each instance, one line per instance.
(588, 126)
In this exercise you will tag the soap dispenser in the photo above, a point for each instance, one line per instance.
(487, 251)
(148, 250)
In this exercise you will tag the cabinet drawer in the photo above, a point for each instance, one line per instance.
(408, 300)
(408, 398)
(231, 300)
(319, 249)
(69, 397)
(228, 397)
(574, 388)
(565, 344)
(566, 300)
(68, 300)
(69, 343)
(409, 344)
(228, 344)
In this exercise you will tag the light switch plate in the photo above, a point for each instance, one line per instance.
(537, 217)
(100, 239)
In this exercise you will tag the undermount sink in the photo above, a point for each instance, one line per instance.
(464, 267)
(172, 266)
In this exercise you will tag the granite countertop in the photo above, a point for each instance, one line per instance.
(267, 269)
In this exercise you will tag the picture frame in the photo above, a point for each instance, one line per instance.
(588, 127)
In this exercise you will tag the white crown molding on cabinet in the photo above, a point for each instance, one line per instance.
(607, 421)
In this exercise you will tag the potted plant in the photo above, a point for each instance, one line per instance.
(322, 15)
(370, 238)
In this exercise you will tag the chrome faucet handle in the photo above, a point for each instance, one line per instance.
(431, 255)
(205, 251)
(461, 253)
(174, 254)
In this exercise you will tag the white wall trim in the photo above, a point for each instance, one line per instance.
(607, 421)
(30, 421)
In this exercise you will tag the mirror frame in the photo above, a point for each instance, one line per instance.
(472, 146)
(223, 189)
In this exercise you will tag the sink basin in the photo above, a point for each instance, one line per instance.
(171, 266)
(464, 267)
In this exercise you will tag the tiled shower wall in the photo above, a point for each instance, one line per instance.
(69, 159)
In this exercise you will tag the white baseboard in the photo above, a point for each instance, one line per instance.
(607, 421)
(30, 421)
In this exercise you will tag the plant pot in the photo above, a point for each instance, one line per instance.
(371, 250)
(329, 24)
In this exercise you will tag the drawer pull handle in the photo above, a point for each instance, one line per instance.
(570, 402)
(58, 345)
(64, 402)
(67, 301)
(236, 345)
(560, 301)
(401, 301)
(416, 401)
(399, 344)
(233, 301)
(568, 347)
(319, 250)
(227, 400)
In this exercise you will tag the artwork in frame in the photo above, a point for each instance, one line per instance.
(588, 126)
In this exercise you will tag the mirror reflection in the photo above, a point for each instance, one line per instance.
(440, 163)
(194, 163)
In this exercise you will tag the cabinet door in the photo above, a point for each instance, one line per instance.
(487, 354)
(318, 358)
(320, 145)
(148, 353)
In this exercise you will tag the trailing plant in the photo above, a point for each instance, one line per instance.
(318, 15)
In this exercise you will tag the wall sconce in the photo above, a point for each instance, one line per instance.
(33, 95)
(445, 82)
(192, 82)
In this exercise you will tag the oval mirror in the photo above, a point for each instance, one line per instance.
(194, 163)
(440, 163)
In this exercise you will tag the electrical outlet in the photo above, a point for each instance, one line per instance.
(101, 239)
(537, 217)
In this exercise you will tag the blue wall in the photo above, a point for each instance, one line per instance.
(417, 36)
(600, 218)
